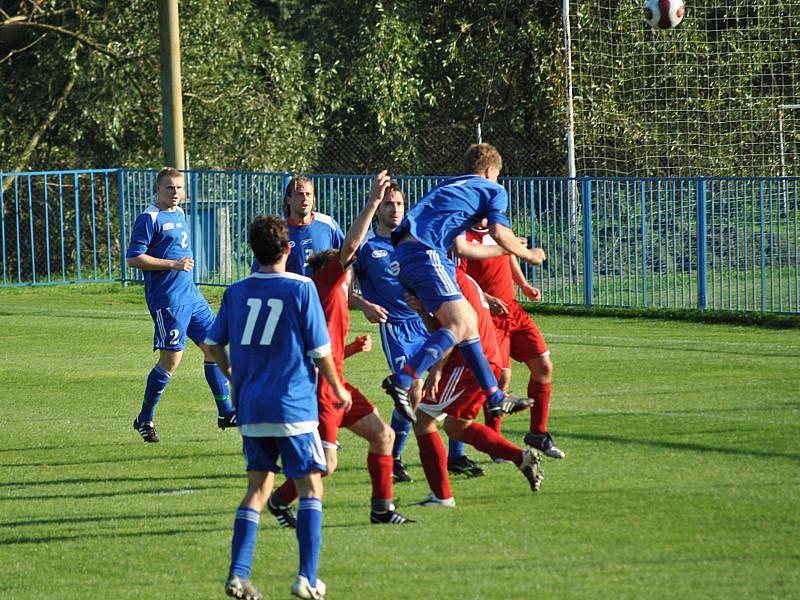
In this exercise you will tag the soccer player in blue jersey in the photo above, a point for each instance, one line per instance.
(161, 247)
(309, 231)
(421, 243)
(275, 328)
(404, 332)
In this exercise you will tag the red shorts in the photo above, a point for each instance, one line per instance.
(460, 395)
(332, 417)
(518, 336)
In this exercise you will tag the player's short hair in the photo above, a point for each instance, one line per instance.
(394, 186)
(294, 182)
(268, 236)
(480, 157)
(167, 172)
(320, 259)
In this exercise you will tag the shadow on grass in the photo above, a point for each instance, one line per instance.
(127, 459)
(80, 537)
(695, 350)
(681, 446)
(108, 519)
(90, 480)
(120, 494)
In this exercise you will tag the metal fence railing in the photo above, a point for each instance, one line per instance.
(675, 243)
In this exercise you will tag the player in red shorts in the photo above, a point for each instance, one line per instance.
(332, 277)
(453, 393)
(518, 336)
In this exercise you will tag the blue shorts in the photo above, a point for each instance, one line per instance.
(401, 339)
(300, 454)
(175, 323)
(427, 273)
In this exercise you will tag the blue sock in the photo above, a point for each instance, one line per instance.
(401, 428)
(219, 387)
(157, 382)
(309, 537)
(243, 544)
(439, 342)
(473, 355)
(455, 450)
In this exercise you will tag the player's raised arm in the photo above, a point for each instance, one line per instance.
(358, 229)
(506, 238)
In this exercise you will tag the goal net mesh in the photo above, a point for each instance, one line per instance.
(701, 99)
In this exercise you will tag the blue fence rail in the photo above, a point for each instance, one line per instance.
(709, 243)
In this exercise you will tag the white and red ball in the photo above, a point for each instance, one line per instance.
(664, 14)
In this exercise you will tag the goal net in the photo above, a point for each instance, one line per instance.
(704, 98)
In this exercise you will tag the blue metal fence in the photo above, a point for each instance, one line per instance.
(716, 243)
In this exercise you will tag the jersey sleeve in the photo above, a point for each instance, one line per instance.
(218, 334)
(497, 207)
(314, 327)
(141, 236)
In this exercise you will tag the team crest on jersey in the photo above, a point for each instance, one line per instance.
(168, 226)
(305, 242)
(291, 244)
(379, 253)
(394, 268)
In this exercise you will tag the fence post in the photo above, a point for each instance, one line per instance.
(762, 219)
(702, 244)
(76, 189)
(643, 216)
(122, 234)
(194, 203)
(588, 250)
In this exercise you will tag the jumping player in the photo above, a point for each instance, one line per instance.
(274, 387)
(421, 244)
(331, 275)
(161, 247)
(452, 391)
(517, 335)
(404, 332)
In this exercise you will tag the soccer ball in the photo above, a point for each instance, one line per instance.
(664, 14)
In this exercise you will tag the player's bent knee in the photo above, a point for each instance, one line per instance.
(455, 428)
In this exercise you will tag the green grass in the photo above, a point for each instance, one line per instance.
(681, 478)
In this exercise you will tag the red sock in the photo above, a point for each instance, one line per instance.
(492, 421)
(380, 472)
(487, 440)
(434, 462)
(540, 392)
(287, 492)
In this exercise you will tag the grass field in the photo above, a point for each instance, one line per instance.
(682, 475)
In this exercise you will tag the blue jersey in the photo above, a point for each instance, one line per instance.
(274, 326)
(378, 284)
(452, 207)
(164, 234)
(323, 233)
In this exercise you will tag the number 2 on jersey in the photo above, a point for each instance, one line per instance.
(275, 310)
